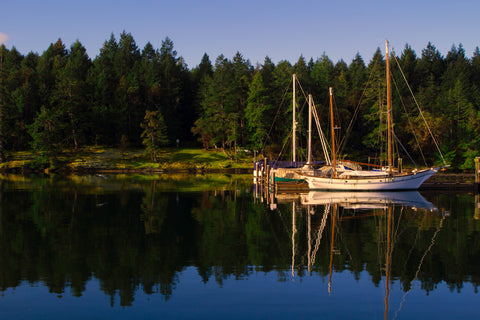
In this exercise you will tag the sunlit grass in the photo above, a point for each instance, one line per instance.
(104, 158)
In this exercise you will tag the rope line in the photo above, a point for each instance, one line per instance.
(420, 110)
(410, 124)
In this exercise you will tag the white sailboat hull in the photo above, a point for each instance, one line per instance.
(360, 183)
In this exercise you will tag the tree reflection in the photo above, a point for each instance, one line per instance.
(142, 235)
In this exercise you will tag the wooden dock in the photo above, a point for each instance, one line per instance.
(452, 181)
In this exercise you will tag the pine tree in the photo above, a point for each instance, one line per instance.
(322, 76)
(242, 70)
(47, 134)
(104, 80)
(257, 112)
(374, 118)
(154, 134)
(176, 104)
(127, 107)
(218, 119)
(71, 94)
(282, 95)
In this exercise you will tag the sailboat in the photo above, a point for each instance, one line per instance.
(339, 177)
(292, 171)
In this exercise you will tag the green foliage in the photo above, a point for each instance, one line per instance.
(46, 132)
(217, 121)
(232, 104)
(154, 133)
(257, 113)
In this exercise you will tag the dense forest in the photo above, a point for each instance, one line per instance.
(127, 96)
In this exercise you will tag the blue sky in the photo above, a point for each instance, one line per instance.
(283, 30)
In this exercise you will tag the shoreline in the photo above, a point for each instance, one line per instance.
(92, 160)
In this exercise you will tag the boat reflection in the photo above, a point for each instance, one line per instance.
(388, 208)
(367, 200)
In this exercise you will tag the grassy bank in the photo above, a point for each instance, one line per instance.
(100, 159)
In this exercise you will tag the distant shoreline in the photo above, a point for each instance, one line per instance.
(113, 160)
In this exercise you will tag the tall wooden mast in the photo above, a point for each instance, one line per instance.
(334, 162)
(389, 111)
(309, 146)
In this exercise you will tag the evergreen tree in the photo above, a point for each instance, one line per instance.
(475, 63)
(48, 128)
(27, 103)
(104, 80)
(340, 82)
(408, 61)
(430, 70)
(199, 77)
(127, 104)
(71, 95)
(267, 71)
(47, 134)
(357, 78)
(154, 134)
(303, 74)
(257, 112)
(322, 77)
(176, 104)
(282, 95)
(374, 117)
(242, 70)
(51, 62)
(217, 123)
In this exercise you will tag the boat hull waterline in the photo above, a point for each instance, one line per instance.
(401, 182)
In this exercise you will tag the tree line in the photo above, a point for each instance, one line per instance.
(128, 96)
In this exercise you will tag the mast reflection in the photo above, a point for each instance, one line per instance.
(388, 208)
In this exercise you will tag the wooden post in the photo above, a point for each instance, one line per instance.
(265, 161)
(477, 173)
(255, 164)
(267, 174)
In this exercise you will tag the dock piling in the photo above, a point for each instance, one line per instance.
(477, 173)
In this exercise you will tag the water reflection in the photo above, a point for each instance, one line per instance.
(138, 234)
(354, 206)
(403, 226)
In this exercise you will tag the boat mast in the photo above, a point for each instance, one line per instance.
(389, 111)
(334, 163)
(309, 151)
(294, 123)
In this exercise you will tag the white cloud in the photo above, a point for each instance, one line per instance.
(3, 38)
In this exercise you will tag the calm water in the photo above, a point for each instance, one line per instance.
(184, 247)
